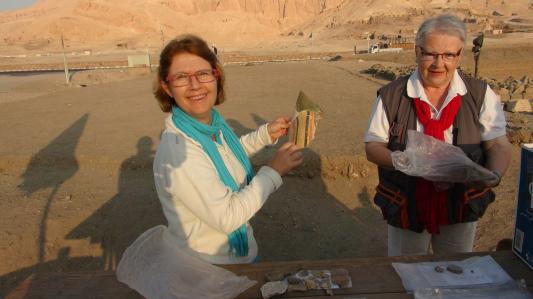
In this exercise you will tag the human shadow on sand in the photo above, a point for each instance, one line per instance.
(50, 168)
(134, 209)
(304, 221)
(115, 225)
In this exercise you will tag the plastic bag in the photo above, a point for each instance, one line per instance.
(156, 267)
(437, 161)
(508, 290)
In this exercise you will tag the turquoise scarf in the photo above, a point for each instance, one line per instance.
(202, 133)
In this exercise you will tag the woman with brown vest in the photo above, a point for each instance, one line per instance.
(446, 104)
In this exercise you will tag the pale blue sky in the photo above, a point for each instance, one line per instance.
(15, 4)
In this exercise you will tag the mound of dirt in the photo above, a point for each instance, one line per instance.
(92, 77)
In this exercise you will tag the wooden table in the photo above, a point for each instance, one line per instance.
(372, 278)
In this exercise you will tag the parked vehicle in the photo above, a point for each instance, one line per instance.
(377, 48)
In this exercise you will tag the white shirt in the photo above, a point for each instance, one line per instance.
(491, 116)
(200, 209)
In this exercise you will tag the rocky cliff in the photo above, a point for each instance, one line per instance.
(148, 23)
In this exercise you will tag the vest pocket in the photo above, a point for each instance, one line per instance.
(475, 204)
(393, 206)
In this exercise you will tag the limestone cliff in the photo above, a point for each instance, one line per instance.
(148, 23)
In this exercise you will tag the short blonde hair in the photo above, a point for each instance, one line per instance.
(185, 44)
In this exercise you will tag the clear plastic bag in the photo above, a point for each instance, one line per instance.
(437, 161)
(156, 267)
(508, 290)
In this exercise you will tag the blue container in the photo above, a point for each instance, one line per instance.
(523, 235)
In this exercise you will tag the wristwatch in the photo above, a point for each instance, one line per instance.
(499, 175)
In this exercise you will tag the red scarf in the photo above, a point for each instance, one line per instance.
(431, 205)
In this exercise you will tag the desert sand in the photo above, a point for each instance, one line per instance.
(76, 178)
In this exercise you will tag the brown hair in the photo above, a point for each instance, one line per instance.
(187, 43)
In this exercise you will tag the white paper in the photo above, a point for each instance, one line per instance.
(423, 275)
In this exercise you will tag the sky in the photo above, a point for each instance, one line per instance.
(15, 4)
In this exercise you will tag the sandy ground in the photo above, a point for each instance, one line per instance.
(76, 184)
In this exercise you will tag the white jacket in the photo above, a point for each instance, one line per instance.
(201, 211)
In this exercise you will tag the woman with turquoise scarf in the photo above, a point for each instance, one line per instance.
(203, 176)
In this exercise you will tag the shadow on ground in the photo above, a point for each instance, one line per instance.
(304, 221)
(115, 225)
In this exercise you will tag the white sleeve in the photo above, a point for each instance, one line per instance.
(491, 117)
(378, 125)
(256, 140)
(191, 178)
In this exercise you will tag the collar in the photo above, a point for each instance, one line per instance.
(415, 89)
(170, 126)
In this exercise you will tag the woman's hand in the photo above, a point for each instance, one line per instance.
(278, 127)
(286, 158)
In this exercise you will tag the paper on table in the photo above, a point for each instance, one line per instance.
(419, 276)
(509, 290)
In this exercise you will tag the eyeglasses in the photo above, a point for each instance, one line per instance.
(447, 57)
(202, 76)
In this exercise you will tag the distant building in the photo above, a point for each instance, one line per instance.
(139, 60)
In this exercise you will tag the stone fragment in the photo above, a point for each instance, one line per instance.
(304, 273)
(298, 287)
(439, 269)
(325, 284)
(454, 269)
(350, 170)
(319, 280)
(274, 288)
(518, 89)
(521, 105)
(293, 280)
(341, 277)
(311, 284)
